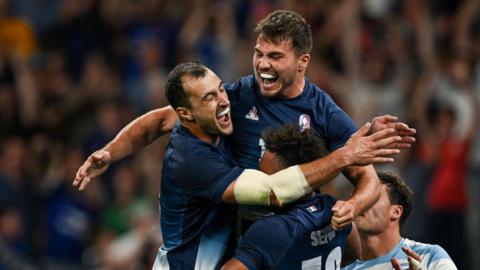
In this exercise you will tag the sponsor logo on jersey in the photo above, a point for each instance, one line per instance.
(252, 114)
(304, 122)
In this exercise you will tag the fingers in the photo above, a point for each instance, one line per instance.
(382, 134)
(414, 264)
(395, 264)
(382, 160)
(84, 183)
(385, 118)
(386, 152)
(389, 141)
(339, 223)
(406, 132)
(411, 253)
(82, 172)
(343, 213)
(95, 165)
(363, 131)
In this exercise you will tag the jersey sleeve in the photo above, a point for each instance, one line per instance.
(206, 175)
(265, 243)
(339, 126)
(439, 259)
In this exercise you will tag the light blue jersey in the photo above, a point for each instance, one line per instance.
(432, 257)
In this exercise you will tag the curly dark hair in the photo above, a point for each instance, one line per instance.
(398, 193)
(284, 25)
(292, 146)
(174, 86)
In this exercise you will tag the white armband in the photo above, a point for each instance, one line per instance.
(254, 187)
(289, 184)
(251, 188)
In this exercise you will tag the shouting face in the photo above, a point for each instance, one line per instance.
(278, 69)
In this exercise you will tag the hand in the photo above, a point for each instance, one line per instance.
(361, 150)
(96, 164)
(414, 261)
(403, 130)
(343, 213)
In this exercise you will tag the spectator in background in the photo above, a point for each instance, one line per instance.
(11, 223)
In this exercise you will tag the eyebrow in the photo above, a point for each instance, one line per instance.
(274, 53)
(213, 90)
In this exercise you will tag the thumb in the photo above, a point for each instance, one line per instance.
(101, 156)
(337, 206)
(363, 131)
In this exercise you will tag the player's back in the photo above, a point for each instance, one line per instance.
(298, 238)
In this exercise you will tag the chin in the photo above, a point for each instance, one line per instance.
(227, 131)
(269, 93)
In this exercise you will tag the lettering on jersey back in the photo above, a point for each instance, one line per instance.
(322, 237)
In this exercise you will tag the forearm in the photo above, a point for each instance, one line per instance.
(141, 132)
(367, 187)
(323, 170)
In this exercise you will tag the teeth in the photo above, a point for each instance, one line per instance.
(222, 113)
(267, 76)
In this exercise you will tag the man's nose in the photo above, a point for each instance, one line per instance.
(224, 99)
(263, 63)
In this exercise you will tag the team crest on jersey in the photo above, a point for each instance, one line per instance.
(304, 122)
(252, 114)
(312, 209)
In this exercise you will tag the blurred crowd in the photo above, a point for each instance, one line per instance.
(73, 73)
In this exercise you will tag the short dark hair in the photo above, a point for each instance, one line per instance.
(284, 25)
(398, 193)
(174, 86)
(292, 146)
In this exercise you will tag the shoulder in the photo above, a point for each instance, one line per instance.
(434, 256)
(280, 224)
(244, 83)
(318, 95)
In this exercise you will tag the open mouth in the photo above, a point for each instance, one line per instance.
(223, 117)
(268, 79)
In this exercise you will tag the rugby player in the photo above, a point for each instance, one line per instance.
(299, 236)
(379, 228)
(199, 173)
(276, 93)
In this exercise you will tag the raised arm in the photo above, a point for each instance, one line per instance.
(136, 135)
(287, 185)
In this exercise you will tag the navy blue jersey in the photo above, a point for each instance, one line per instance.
(252, 113)
(196, 226)
(298, 238)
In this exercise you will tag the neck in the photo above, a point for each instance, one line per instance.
(376, 245)
(201, 134)
(296, 88)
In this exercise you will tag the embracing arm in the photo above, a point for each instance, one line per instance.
(287, 185)
(136, 135)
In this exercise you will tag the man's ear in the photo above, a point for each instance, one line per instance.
(303, 61)
(184, 114)
(396, 212)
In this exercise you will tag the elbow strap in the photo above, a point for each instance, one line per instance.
(289, 184)
(251, 188)
(254, 187)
